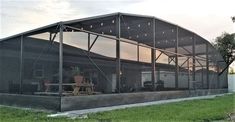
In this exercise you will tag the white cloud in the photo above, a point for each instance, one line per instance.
(208, 18)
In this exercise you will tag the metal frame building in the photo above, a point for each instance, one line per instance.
(172, 51)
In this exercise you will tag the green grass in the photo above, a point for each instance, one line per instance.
(194, 110)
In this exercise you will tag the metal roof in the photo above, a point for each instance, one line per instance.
(98, 17)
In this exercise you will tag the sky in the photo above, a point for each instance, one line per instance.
(208, 18)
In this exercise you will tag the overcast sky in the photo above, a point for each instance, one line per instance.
(208, 18)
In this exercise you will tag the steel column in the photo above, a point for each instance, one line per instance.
(61, 59)
(153, 57)
(176, 58)
(138, 52)
(217, 74)
(207, 67)
(118, 62)
(202, 78)
(194, 61)
(188, 74)
(21, 63)
(89, 41)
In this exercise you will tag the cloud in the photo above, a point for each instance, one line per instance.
(208, 18)
(16, 18)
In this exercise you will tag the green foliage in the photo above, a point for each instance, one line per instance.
(194, 110)
(226, 44)
(232, 71)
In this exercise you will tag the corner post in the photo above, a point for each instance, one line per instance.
(118, 62)
(138, 52)
(61, 59)
(21, 62)
(188, 66)
(207, 67)
(153, 57)
(89, 41)
(176, 58)
(194, 61)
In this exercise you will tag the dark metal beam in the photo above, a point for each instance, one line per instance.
(61, 59)
(199, 62)
(207, 67)
(194, 61)
(186, 50)
(89, 49)
(158, 56)
(171, 59)
(89, 41)
(217, 71)
(153, 57)
(122, 40)
(138, 52)
(184, 62)
(21, 63)
(188, 74)
(118, 62)
(176, 58)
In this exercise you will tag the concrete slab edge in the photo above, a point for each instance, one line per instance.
(83, 113)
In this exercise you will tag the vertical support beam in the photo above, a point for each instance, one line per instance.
(138, 52)
(207, 67)
(89, 42)
(217, 75)
(153, 57)
(50, 37)
(21, 63)
(202, 78)
(194, 60)
(118, 62)
(61, 59)
(176, 58)
(188, 74)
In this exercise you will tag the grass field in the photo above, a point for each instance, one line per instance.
(194, 110)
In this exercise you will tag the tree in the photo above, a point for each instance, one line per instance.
(232, 71)
(225, 44)
(233, 18)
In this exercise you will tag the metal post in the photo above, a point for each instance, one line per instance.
(118, 62)
(188, 74)
(89, 41)
(138, 52)
(176, 58)
(194, 61)
(50, 37)
(202, 78)
(21, 63)
(153, 57)
(217, 74)
(207, 67)
(61, 59)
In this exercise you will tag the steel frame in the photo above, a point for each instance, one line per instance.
(63, 26)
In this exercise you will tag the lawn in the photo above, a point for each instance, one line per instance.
(194, 110)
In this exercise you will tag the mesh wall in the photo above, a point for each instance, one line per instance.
(200, 61)
(136, 76)
(10, 65)
(90, 60)
(41, 63)
(89, 70)
(166, 37)
(185, 47)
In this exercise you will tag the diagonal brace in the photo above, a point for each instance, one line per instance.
(90, 46)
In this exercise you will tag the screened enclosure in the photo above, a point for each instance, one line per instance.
(114, 53)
